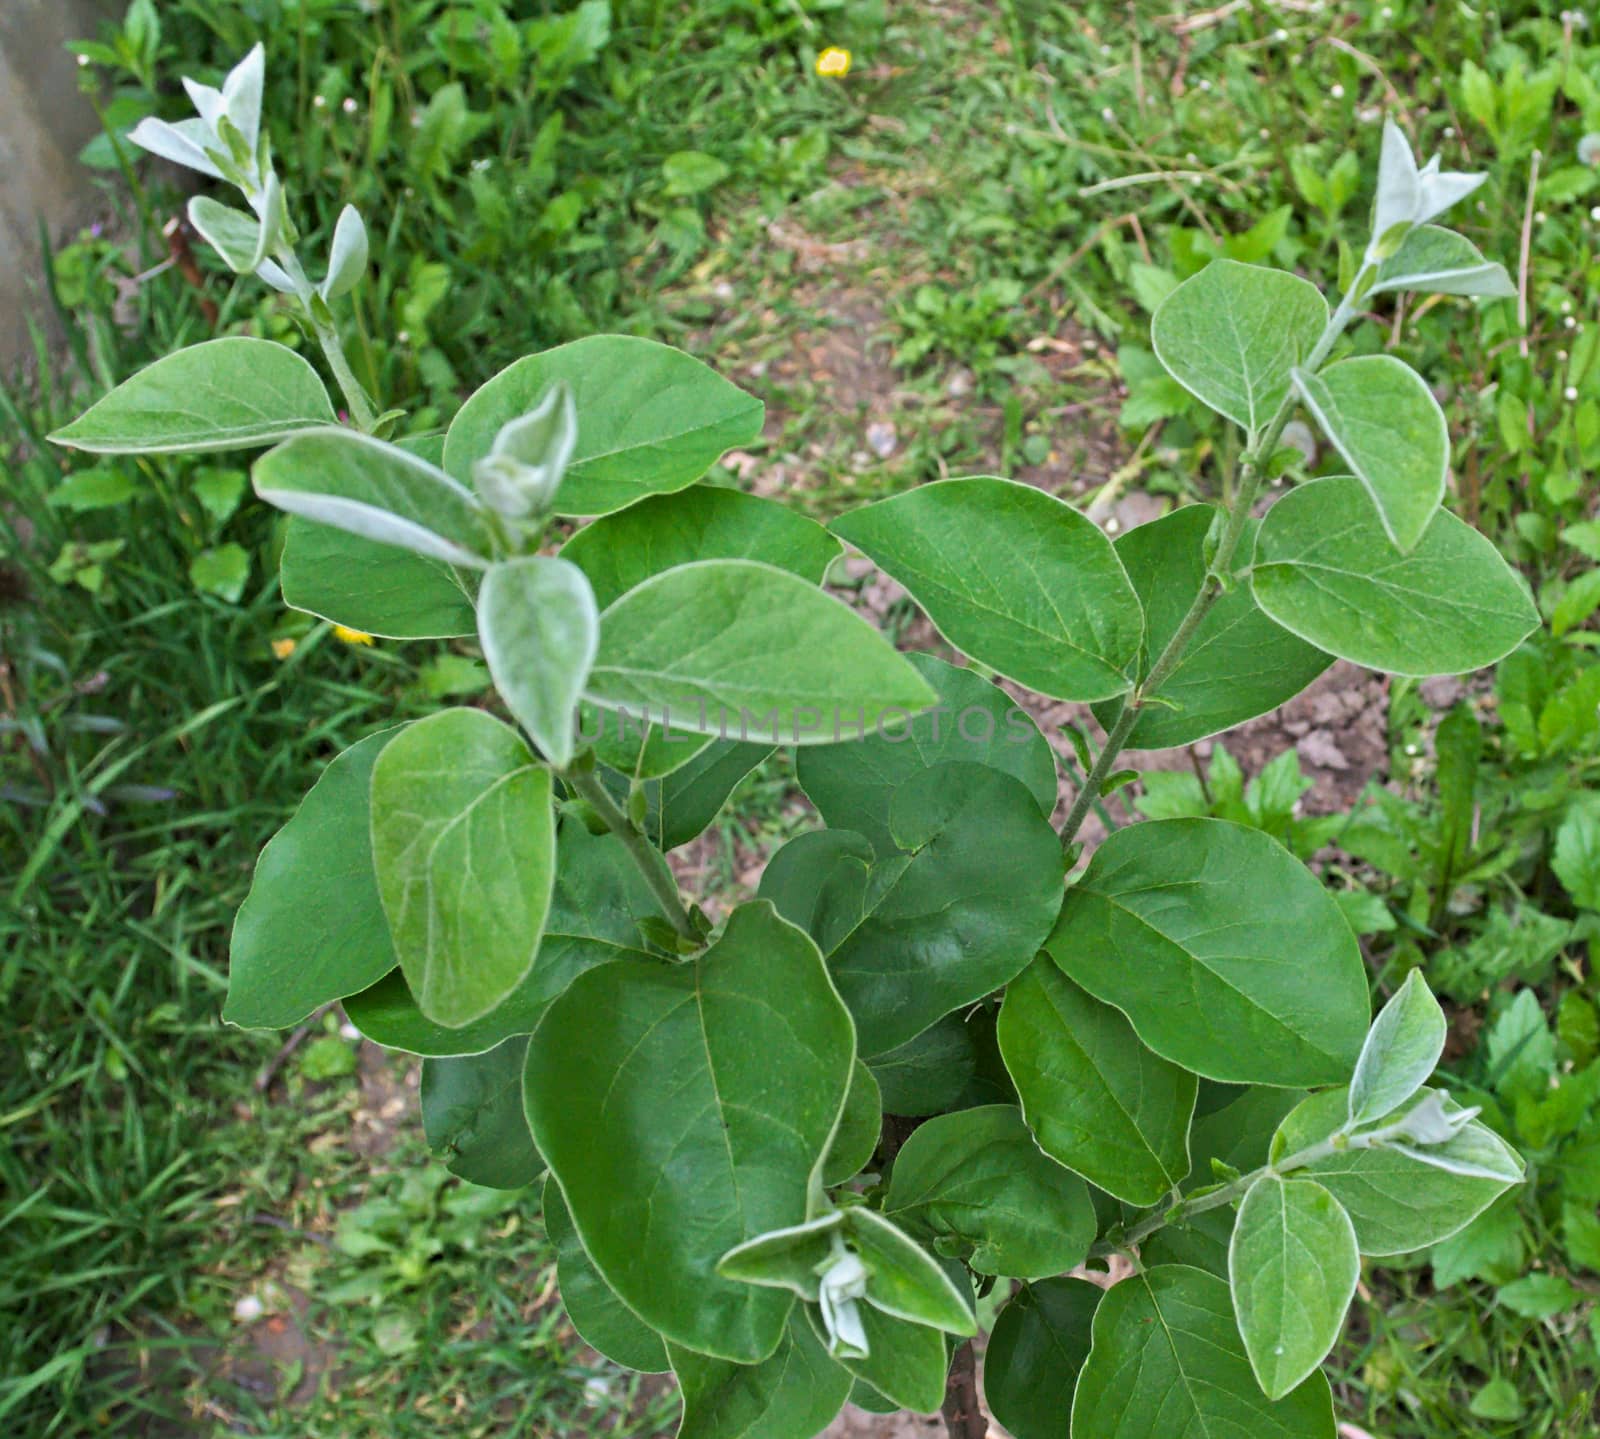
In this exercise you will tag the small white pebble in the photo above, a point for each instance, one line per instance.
(248, 1309)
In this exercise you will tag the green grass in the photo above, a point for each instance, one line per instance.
(968, 231)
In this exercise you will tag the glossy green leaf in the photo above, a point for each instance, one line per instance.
(1225, 952)
(376, 491)
(1325, 569)
(1401, 1050)
(604, 1321)
(595, 908)
(906, 1362)
(705, 522)
(973, 721)
(463, 842)
(472, 1116)
(1097, 1099)
(663, 1179)
(1232, 335)
(1292, 1267)
(977, 1181)
(653, 419)
(1238, 664)
(1441, 262)
(227, 394)
(1396, 1201)
(917, 934)
(539, 628)
(747, 651)
(929, 1073)
(312, 930)
(683, 803)
(792, 1394)
(371, 586)
(905, 1280)
(1385, 422)
(1168, 1360)
(1012, 576)
(1036, 1350)
(856, 1139)
(792, 1258)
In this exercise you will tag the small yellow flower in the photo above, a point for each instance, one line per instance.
(283, 648)
(834, 62)
(350, 636)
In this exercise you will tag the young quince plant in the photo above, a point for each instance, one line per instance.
(783, 1154)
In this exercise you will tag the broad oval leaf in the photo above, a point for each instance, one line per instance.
(916, 934)
(1036, 1350)
(682, 803)
(705, 522)
(539, 628)
(856, 1139)
(977, 1182)
(227, 394)
(1012, 576)
(906, 1363)
(792, 1394)
(239, 238)
(1439, 261)
(653, 419)
(312, 930)
(1233, 334)
(1398, 1202)
(1326, 570)
(747, 651)
(604, 1321)
(375, 490)
(1167, 1360)
(367, 585)
(1292, 1267)
(1238, 663)
(1401, 1050)
(463, 842)
(1098, 1101)
(1225, 952)
(906, 1281)
(930, 1072)
(1386, 423)
(974, 721)
(663, 1179)
(595, 908)
(472, 1116)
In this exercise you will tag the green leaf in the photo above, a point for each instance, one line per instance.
(1168, 1359)
(1036, 1350)
(239, 238)
(975, 721)
(1401, 1050)
(376, 491)
(1097, 1100)
(1439, 261)
(1396, 1201)
(1239, 664)
(1386, 423)
(1325, 570)
(663, 1179)
(312, 930)
(222, 571)
(683, 803)
(472, 1116)
(730, 647)
(977, 1181)
(1293, 1268)
(224, 394)
(929, 1073)
(1225, 952)
(906, 1363)
(1498, 1400)
(1012, 576)
(905, 1280)
(602, 1320)
(917, 934)
(99, 488)
(463, 841)
(650, 419)
(1233, 334)
(1539, 1296)
(792, 1394)
(1576, 859)
(705, 522)
(692, 172)
(539, 628)
(856, 1140)
(372, 586)
(595, 908)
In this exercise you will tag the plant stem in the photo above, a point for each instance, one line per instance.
(963, 1415)
(355, 396)
(1218, 574)
(644, 854)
